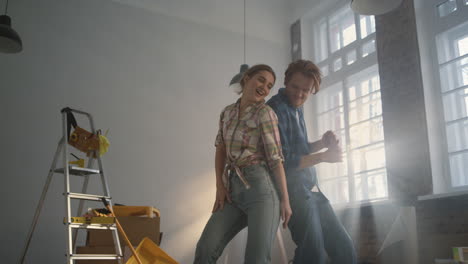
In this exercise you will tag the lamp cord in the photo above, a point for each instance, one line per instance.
(6, 7)
(244, 32)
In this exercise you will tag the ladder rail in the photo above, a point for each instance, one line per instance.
(106, 190)
(84, 189)
(66, 172)
(105, 187)
(41, 203)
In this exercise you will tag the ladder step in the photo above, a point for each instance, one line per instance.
(90, 220)
(85, 196)
(78, 171)
(94, 226)
(94, 256)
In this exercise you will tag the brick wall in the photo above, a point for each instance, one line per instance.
(368, 227)
(442, 224)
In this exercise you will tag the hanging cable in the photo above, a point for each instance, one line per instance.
(235, 81)
(244, 32)
(6, 7)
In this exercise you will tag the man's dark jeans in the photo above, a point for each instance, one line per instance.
(317, 231)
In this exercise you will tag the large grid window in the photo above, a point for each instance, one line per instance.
(349, 104)
(366, 135)
(452, 51)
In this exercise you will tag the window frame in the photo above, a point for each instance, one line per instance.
(430, 26)
(333, 77)
(453, 36)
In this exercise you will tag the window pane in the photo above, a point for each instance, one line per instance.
(341, 136)
(349, 34)
(457, 136)
(365, 82)
(351, 57)
(332, 170)
(371, 185)
(367, 25)
(464, 70)
(368, 158)
(447, 7)
(462, 46)
(337, 64)
(454, 75)
(324, 70)
(365, 108)
(453, 43)
(320, 41)
(332, 120)
(352, 93)
(368, 48)
(366, 133)
(335, 38)
(337, 191)
(456, 105)
(458, 169)
(330, 97)
(342, 28)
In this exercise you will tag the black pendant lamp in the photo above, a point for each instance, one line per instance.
(244, 67)
(238, 77)
(10, 41)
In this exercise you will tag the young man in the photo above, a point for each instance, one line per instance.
(314, 226)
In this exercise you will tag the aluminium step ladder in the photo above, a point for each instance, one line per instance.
(67, 170)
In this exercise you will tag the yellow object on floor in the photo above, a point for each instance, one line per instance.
(150, 253)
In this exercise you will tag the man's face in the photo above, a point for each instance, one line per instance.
(299, 88)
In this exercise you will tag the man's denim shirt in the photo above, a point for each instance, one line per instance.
(294, 142)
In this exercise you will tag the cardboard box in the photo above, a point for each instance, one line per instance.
(135, 227)
(122, 210)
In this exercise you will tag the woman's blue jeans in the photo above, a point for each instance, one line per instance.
(256, 207)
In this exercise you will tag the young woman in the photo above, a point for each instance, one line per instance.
(248, 150)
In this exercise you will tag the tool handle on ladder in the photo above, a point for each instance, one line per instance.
(69, 112)
(119, 227)
(68, 109)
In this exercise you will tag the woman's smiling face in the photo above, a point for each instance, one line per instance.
(258, 87)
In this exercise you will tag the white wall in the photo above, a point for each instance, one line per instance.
(310, 8)
(155, 73)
